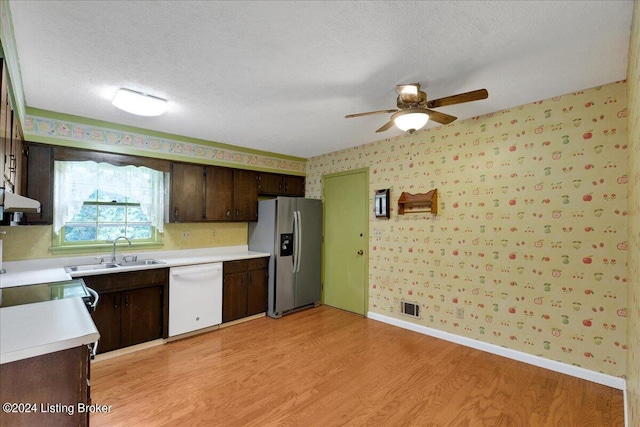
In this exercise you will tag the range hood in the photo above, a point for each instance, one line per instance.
(11, 203)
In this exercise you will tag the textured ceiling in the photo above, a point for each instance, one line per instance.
(281, 76)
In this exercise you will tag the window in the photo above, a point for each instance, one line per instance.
(98, 202)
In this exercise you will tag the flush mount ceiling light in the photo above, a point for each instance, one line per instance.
(139, 103)
(410, 120)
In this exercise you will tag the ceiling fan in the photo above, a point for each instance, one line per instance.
(414, 110)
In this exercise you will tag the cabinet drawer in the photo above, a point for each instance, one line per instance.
(127, 280)
(258, 263)
(239, 266)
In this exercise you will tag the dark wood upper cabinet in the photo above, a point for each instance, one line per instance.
(197, 192)
(219, 194)
(294, 185)
(14, 155)
(245, 195)
(213, 193)
(187, 192)
(273, 184)
(11, 140)
(37, 181)
(270, 184)
(5, 124)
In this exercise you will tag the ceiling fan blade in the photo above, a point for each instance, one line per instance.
(349, 116)
(474, 95)
(439, 117)
(386, 126)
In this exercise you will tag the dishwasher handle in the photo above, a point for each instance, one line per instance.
(197, 270)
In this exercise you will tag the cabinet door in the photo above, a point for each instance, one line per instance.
(5, 112)
(54, 378)
(38, 181)
(270, 184)
(187, 192)
(294, 185)
(219, 194)
(141, 315)
(257, 292)
(107, 320)
(234, 297)
(15, 156)
(245, 195)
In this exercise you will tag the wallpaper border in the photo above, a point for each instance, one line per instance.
(59, 129)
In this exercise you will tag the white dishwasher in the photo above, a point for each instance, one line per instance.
(195, 297)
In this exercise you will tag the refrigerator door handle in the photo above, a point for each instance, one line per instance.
(299, 242)
(296, 229)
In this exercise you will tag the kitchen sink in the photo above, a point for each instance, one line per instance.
(90, 267)
(140, 262)
(108, 265)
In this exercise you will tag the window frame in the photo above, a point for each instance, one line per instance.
(59, 246)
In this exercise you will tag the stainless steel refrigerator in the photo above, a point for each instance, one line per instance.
(290, 229)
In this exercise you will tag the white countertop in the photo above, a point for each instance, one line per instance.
(35, 329)
(32, 277)
(29, 272)
(31, 330)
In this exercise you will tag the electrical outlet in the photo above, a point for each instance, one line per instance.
(460, 312)
(213, 234)
(186, 235)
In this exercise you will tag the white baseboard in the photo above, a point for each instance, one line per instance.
(574, 371)
(626, 408)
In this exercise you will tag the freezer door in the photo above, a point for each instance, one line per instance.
(284, 298)
(308, 286)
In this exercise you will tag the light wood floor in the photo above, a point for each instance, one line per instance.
(326, 367)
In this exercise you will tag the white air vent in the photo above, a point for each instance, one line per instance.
(410, 309)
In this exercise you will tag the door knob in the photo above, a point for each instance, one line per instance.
(360, 252)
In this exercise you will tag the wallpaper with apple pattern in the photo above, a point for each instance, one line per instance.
(531, 239)
(633, 356)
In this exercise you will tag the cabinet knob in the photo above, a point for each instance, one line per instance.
(360, 252)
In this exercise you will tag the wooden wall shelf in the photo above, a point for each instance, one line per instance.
(418, 203)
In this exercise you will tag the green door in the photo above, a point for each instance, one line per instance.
(346, 240)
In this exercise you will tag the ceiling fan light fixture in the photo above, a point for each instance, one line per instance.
(409, 90)
(410, 120)
(139, 103)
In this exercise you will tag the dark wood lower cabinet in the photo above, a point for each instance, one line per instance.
(244, 291)
(107, 319)
(141, 315)
(54, 388)
(257, 287)
(234, 296)
(133, 307)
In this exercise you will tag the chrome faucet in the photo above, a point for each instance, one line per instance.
(113, 256)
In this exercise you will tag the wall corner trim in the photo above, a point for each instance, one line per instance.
(563, 368)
